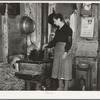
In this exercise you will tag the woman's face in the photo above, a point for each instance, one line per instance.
(56, 21)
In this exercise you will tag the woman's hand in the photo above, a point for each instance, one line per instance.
(43, 47)
(64, 55)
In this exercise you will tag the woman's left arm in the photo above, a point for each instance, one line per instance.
(68, 44)
(69, 40)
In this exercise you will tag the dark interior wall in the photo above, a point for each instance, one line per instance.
(9, 16)
(17, 39)
(64, 8)
(14, 37)
(1, 41)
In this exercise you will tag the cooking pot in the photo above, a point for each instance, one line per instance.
(36, 55)
(27, 25)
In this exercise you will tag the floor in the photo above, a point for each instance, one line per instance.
(8, 81)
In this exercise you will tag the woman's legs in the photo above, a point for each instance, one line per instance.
(61, 85)
(66, 82)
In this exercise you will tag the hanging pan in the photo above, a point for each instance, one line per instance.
(26, 25)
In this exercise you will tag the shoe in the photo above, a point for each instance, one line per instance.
(60, 89)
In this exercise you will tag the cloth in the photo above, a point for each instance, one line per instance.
(63, 34)
(73, 24)
(61, 68)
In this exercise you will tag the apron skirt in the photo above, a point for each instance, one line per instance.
(62, 68)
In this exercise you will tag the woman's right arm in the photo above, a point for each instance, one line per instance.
(51, 43)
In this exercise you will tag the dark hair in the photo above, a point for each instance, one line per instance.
(59, 16)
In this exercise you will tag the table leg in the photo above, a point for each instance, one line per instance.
(27, 85)
(38, 86)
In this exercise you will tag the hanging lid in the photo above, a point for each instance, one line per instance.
(50, 18)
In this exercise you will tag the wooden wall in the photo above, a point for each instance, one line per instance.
(33, 10)
(85, 52)
(1, 40)
(12, 40)
(64, 8)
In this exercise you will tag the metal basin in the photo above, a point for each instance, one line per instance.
(83, 65)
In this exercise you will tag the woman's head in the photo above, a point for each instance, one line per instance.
(58, 18)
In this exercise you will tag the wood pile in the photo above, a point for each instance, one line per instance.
(8, 80)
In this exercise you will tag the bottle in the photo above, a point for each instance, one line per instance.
(83, 88)
(82, 83)
(44, 88)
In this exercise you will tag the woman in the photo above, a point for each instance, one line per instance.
(62, 66)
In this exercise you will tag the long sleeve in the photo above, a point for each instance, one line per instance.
(51, 43)
(69, 40)
(62, 35)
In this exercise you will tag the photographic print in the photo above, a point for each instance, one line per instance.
(50, 49)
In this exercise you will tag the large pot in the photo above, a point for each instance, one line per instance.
(27, 25)
(36, 55)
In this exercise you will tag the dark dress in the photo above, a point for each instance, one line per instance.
(62, 68)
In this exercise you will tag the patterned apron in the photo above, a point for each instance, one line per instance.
(62, 68)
